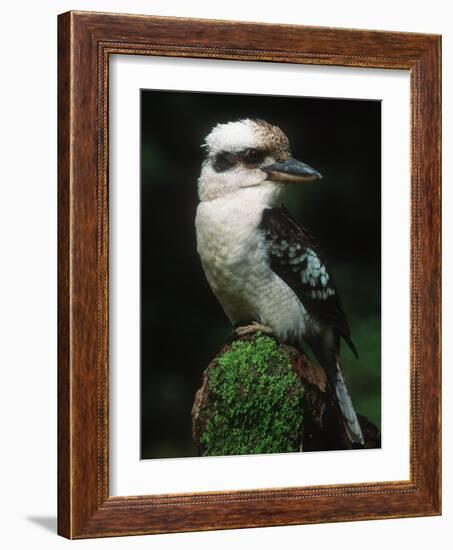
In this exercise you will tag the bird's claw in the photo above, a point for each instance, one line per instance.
(251, 329)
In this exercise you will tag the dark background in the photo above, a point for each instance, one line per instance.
(183, 325)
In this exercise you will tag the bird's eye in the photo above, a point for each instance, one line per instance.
(253, 155)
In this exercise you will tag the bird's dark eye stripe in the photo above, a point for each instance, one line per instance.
(252, 156)
(224, 161)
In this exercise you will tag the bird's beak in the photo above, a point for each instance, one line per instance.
(291, 171)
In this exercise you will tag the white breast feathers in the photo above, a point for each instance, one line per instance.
(235, 258)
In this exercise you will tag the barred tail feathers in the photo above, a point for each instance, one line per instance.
(351, 421)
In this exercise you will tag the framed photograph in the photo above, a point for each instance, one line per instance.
(249, 275)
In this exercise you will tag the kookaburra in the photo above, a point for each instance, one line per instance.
(267, 272)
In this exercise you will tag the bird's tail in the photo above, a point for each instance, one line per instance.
(351, 422)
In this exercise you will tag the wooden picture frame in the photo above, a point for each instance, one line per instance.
(85, 42)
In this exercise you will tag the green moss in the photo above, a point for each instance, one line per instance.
(255, 401)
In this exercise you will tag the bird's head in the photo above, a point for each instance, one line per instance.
(253, 155)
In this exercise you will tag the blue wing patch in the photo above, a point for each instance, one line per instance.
(304, 262)
(296, 257)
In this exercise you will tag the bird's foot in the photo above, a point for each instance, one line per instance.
(252, 328)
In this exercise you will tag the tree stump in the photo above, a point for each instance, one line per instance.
(261, 396)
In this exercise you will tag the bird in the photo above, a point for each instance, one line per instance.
(268, 273)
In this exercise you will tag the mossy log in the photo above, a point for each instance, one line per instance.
(261, 396)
